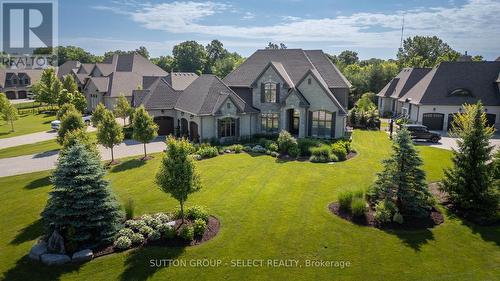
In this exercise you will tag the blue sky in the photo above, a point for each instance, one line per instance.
(372, 28)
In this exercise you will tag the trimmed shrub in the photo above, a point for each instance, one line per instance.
(187, 233)
(137, 238)
(167, 231)
(199, 227)
(305, 146)
(197, 212)
(123, 242)
(135, 225)
(338, 149)
(275, 154)
(398, 218)
(345, 200)
(146, 231)
(384, 211)
(208, 151)
(321, 154)
(127, 232)
(294, 151)
(154, 236)
(162, 217)
(237, 148)
(286, 141)
(273, 147)
(358, 207)
(258, 149)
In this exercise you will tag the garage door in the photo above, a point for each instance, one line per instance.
(490, 119)
(165, 125)
(21, 94)
(433, 121)
(11, 95)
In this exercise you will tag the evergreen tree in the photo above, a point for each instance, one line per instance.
(81, 205)
(99, 112)
(177, 174)
(122, 108)
(145, 129)
(403, 179)
(71, 120)
(109, 133)
(469, 183)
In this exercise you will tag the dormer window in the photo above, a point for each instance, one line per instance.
(270, 92)
(461, 92)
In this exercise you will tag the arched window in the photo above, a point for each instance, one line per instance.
(321, 124)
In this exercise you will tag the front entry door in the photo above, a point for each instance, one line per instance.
(293, 121)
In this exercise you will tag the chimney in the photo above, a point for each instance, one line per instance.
(465, 57)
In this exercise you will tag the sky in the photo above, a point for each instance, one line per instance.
(371, 28)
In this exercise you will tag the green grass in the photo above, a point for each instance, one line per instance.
(26, 124)
(28, 149)
(268, 210)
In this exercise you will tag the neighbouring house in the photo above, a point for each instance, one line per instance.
(117, 75)
(291, 89)
(16, 83)
(433, 96)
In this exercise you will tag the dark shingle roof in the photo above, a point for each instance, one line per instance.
(180, 80)
(476, 77)
(205, 95)
(403, 82)
(67, 67)
(295, 62)
(33, 74)
(160, 95)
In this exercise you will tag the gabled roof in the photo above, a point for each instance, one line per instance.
(280, 70)
(67, 67)
(478, 78)
(180, 80)
(33, 74)
(204, 95)
(295, 63)
(160, 95)
(403, 82)
(85, 68)
(101, 83)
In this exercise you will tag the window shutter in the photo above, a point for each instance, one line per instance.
(309, 123)
(238, 127)
(219, 133)
(278, 92)
(333, 124)
(262, 93)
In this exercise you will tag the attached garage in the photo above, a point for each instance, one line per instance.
(11, 95)
(22, 94)
(165, 125)
(433, 121)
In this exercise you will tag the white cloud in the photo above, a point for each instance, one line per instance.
(473, 25)
(248, 16)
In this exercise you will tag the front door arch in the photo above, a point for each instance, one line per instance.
(193, 132)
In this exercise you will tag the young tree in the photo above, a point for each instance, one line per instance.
(10, 114)
(98, 114)
(43, 89)
(122, 108)
(69, 84)
(71, 120)
(82, 137)
(64, 109)
(403, 179)
(79, 101)
(109, 133)
(145, 129)
(81, 206)
(177, 174)
(57, 91)
(469, 183)
(4, 101)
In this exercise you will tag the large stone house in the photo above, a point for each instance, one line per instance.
(291, 89)
(432, 96)
(16, 83)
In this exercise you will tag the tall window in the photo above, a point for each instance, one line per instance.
(270, 122)
(270, 92)
(227, 127)
(321, 124)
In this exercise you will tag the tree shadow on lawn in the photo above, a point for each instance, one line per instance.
(127, 165)
(26, 269)
(142, 263)
(489, 233)
(30, 232)
(40, 182)
(414, 238)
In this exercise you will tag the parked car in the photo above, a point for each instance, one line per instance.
(57, 123)
(421, 132)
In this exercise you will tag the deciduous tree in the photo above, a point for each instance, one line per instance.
(145, 129)
(122, 108)
(109, 133)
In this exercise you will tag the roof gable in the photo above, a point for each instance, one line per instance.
(315, 74)
(278, 69)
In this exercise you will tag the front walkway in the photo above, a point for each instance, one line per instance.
(47, 160)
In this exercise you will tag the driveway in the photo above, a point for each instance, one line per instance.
(32, 138)
(47, 160)
(450, 143)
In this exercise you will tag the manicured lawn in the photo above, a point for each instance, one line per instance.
(26, 124)
(28, 149)
(268, 210)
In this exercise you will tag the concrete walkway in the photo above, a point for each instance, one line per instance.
(32, 138)
(47, 160)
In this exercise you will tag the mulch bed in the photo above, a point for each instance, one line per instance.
(213, 227)
(436, 218)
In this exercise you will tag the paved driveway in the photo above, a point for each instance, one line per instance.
(32, 138)
(450, 143)
(47, 160)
